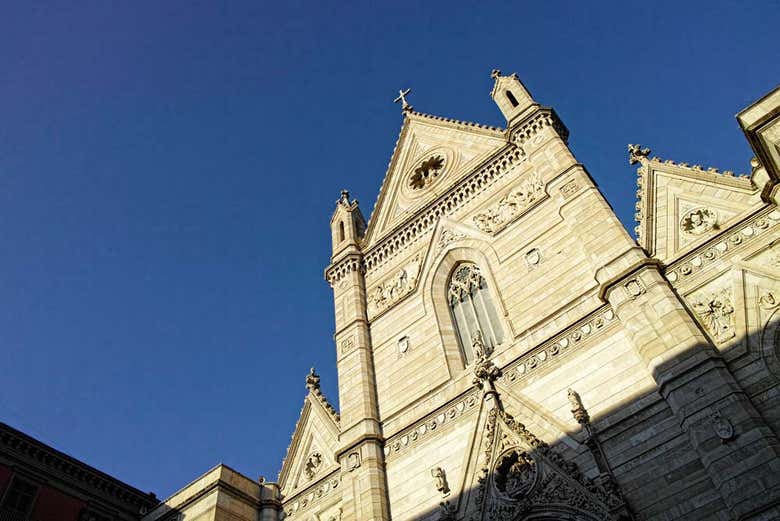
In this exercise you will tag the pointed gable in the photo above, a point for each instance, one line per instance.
(680, 206)
(311, 455)
(431, 155)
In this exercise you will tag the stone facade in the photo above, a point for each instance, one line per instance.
(623, 379)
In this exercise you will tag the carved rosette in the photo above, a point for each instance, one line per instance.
(699, 221)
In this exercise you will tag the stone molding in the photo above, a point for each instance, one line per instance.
(340, 269)
(684, 270)
(540, 119)
(697, 172)
(570, 339)
(447, 204)
(312, 494)
(38, 455)
(461, 193)
(427, 427)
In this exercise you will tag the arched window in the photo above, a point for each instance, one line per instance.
(472, 309)
(512, 99)
(341, 231)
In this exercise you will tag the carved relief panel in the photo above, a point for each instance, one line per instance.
(400, 282)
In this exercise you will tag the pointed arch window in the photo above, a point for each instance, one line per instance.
(472, 309)
(512, 99)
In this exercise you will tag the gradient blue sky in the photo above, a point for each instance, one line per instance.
(168, 170)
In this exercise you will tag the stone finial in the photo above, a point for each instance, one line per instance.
(495, 73)
(313, 381)
(636, 153)
(577, 409)
(344, 199)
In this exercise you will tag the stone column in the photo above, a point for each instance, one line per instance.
(737, 448)
(361, 443)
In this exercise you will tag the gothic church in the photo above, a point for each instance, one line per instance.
(506, 350)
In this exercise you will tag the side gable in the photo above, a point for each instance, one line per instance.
(680, 206)
(311, 455)
(431, 155)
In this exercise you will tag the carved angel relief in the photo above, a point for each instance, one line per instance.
(513, 204)
(394, 288)
(716, 312)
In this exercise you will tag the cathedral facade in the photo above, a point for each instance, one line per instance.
(506, 350)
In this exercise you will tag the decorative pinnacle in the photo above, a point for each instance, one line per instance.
(405, 107)
(313, 381)
(495, 73)
(344, 199)
(636, 153)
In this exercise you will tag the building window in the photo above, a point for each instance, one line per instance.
(19, 498)
(341, 231)
(512, 99)
(472, 309)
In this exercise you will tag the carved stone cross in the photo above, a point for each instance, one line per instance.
(402, 98)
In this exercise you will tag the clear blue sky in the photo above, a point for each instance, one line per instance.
(168, 170)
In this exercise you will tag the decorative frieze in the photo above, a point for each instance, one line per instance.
(680, 270)
(427, 427)
(342, 268)
(511, 206)
(555, 347)
(310, 496)
(392, 289)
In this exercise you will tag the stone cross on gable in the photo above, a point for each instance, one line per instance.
(402, 98)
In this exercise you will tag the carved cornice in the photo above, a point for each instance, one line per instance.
(427, 427)
(570, 339)
(32, 452)
(542, 118)
(697, 172)
(312, 494)
(686, 268)
(446, 205)
(343, 267)
(552, 349)
(465, 190)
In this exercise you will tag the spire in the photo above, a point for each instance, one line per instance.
(511, 96)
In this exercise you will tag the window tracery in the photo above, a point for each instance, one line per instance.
(472, 309)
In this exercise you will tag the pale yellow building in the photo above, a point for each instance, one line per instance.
(506, 350)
